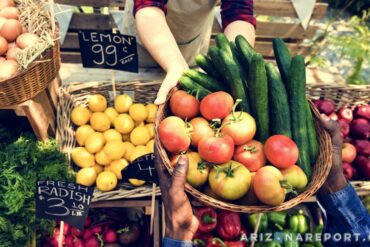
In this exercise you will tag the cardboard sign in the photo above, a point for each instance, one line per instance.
(108, 50)
(142, 168)
(58, 200)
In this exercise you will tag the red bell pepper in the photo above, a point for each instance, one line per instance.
(215, 242)
(229, 225)
(207, 219)
(235, 243)
(243, 232)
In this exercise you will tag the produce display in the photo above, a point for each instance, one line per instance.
(23, 162)
(276, 229)
(247, 131)
(18, 40)
(355, 129)
(109, 138)
(108, 228)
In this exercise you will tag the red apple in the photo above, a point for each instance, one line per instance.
(349, 171)
(344, 127)
(360, 128)
(348, 153)
(325, 106)
(333, 116)
(362, 111)
(363, 165)
(346, 114)
(362, 147)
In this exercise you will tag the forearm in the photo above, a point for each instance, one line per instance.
(158, 39)
(240, 27)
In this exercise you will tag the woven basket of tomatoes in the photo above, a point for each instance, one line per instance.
(253, 141)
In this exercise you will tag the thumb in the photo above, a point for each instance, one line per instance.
(180, 172)
(169, 82)
(334, 130)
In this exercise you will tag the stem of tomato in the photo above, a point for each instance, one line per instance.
(235, 118)
(288, 187)
(251, 149)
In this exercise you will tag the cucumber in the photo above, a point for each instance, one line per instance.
(206, 64)
(283, 58)
(193, 88)
(278, 103)
(232, 74)
(245, 51)
(237, 59)
(214, 54)
(313, 146)
(205, 80)
(296, 89)
(258, 95)
(223, 43)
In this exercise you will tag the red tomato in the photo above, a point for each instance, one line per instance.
(174, 134)
(230, 181)
(348, 153)
(266, 185)
(184, 105)
(281, 151)
(240, 126)
(216, 149)
(216, 105)
(251, 155)
(201, 129)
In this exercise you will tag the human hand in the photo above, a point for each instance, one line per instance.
(181, 223)
(170, 81)
(335, 180)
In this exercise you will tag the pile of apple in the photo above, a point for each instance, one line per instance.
(13, 38)
(355, 130)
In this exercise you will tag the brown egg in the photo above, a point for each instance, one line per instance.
(27, 39)
(2, 21)
(11, 30)
(6, 3)
(10, 13)
(10, 55)
(3, 46)
(8, 69)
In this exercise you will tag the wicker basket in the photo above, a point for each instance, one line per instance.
(341, 95)
(320, 171)
(30, 82)
(75, 94)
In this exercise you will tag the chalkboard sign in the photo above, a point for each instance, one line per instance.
(58, 200)
(142, 168)
(108, 50)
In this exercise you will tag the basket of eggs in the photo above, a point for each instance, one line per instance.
(29, 50)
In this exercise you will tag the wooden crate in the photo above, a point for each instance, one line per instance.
(40, 111)
(292, 33)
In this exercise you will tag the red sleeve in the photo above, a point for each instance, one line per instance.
(234, 10)
(139, 4)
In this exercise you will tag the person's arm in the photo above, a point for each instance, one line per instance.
(157, 38)
(344, 210)
(237, 19)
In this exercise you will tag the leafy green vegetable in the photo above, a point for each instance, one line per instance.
(23, 161)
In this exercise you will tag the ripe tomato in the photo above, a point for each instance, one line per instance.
(198, 170)
(250, 198)
(281, 151)
(201, 129)
(295, 176)
(216, 149)
(174, 134)
(251, 155)
(240, 126)
(216, 105)
(266, 185)
(348, 153)
(184, 105)
(230, 181)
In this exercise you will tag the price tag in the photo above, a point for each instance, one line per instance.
(64, 201)
(104, 49)
(142, 168)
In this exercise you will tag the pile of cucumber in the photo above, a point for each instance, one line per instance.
(276, 100)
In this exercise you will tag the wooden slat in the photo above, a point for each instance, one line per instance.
(91, 21)
(93, 3)
(285, 8)
(71, 42)
(71, 57)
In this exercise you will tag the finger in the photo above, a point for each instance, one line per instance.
(179, 174)
(169, 82)
(164, 176)
(334, 130)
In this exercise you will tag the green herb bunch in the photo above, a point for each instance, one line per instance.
(23, 161)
